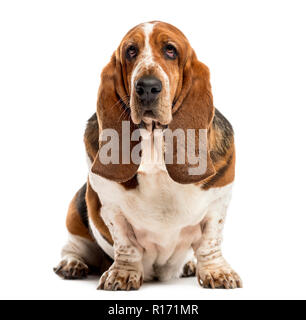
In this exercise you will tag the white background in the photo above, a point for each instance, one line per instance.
(52, 53)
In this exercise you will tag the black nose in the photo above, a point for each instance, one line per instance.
(148, 88)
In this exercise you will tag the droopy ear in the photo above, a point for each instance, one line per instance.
(112, 114)
(193, 110)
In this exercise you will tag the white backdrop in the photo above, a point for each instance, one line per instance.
(51, 56)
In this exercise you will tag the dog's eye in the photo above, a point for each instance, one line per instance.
(131, 52)
(170, 51)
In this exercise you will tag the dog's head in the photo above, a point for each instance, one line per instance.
(153, 56)
(155, 80)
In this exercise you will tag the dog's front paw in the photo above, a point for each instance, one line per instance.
(223, 277)
(120, 279)
(71, 268)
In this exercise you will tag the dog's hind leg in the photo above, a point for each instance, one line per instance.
(81, 255)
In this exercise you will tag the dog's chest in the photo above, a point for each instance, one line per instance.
(158, 204)
(163, 204)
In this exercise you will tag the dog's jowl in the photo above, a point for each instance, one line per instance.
(161, 163)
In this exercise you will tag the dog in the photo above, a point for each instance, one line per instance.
(136, 221)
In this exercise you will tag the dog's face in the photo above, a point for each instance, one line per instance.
(152, 57)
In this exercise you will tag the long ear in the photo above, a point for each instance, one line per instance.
(193, 110)
(113, 114)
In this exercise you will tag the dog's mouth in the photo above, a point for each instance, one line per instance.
(149, 115)
(150, 122)
(151, 125)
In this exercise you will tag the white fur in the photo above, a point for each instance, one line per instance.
(163, 217)
(146, 61)
(146, 57)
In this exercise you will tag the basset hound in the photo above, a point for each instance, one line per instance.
(136, 221)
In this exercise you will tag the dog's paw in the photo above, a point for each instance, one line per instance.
(71, 269)
(118, 279)
(218, 277)
(189, 269)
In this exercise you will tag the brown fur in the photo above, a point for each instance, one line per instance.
(91, 140)
(196, 112)
(225, 172)
(74, 222)
(111, 111)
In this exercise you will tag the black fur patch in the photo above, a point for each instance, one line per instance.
(223, 126)
(218, 175)
(224, 142)
(81, 205)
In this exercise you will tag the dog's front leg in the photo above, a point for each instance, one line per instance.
(126, 273)
(212, 269)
